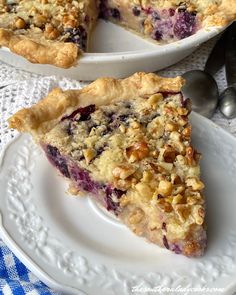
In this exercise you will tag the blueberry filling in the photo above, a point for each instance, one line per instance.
(77, 36)
(186, 103)
(171, 12)
(184, 25)
(164, 226)
(106, 12)
(100, 150)
(103, 9)
(83, 180)
(84, 113)
(57, 160)
(175, 248)
(69, 129)
(136, 11)
(166, 94)
(112, 196)
(165, 242)
(115, 13)
(172, 23)
(155, 16)
(157, 35)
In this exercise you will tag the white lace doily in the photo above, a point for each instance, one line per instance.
(22, 88)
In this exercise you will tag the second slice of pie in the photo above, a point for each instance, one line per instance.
(127, 143)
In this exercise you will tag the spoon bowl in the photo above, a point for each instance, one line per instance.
(203, 91)
(227, 104)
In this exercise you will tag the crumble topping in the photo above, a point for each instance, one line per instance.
(59, 20)
(141, 148)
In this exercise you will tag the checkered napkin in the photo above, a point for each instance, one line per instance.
(16, 279)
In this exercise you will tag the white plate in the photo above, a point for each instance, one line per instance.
(72, 245)
(118, 53)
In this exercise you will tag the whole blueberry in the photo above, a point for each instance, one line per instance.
(157, 35)
(115, 13)
(185, 25)
(136, 11)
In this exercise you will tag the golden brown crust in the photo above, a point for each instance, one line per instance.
(60, 54)
(41, 117)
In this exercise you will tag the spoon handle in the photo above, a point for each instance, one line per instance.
(230, 56)
(216, 59)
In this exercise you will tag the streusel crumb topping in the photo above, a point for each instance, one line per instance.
(141, 147)
(60, 20)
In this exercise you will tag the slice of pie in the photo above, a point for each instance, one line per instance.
(127, 143)
(57, 31)
(47, 31)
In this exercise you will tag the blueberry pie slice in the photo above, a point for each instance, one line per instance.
(127, 143)
(47, 31)
(57, 31)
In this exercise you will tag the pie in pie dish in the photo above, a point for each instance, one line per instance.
(127, 143)
(57, 31)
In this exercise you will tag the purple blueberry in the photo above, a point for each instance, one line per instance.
(159, 196)
(57, 160)
(100, 151)
(164, 226)
(69, 129)
(83, 180)
(185, 24)
(167, 94)
(112, 196)
(171, 11)
(175, 248)
(136, 11)
(123, 117)
(115, 13)
(186, 103)
(165, 242)
(84, 113)
(157, 35)
(77, 36)
(103, 9)
(155, 16)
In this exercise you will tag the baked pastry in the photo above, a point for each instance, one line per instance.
(127, 143)
(57, 31)
(47, 31)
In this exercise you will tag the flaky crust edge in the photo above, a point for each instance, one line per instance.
(63, 55)
(43, 116)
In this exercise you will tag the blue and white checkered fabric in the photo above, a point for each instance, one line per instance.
(16, 279)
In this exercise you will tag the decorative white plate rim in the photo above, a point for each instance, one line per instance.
(52, 282)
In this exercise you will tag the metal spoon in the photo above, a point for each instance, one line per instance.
(201, 87)
(227, 104)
